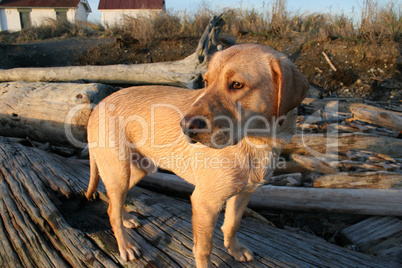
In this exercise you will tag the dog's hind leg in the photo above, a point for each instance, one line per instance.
(117, 181)
(235, 207)
(136, 174)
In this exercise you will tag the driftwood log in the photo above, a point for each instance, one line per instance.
(46, 222)
(384, 118)
(55, 112)
(314, 164)
(358, 201)
(354, 201)
(184, 73)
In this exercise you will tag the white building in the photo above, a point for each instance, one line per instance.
(19, 14)
(114, 11)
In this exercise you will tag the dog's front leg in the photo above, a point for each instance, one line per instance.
(235, 207)
(206, 207)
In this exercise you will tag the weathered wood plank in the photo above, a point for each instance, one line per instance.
(381, 236)
(8, 256)
(42, 196)
(25, 195)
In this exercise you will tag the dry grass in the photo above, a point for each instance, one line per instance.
(381, 22)
(378, 23)
(164, 26)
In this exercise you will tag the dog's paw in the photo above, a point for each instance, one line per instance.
(130, 221)
(128, 251)
(241, 253)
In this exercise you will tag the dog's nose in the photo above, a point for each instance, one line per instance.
(192, 123)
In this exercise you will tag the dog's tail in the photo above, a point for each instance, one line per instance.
(93, 178)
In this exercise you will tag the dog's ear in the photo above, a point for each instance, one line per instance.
(289, 84)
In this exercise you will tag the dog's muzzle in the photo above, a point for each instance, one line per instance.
(192, 126)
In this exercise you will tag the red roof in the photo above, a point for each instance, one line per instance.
(131, 4)
(39, 3)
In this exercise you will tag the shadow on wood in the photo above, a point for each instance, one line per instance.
(46, 222)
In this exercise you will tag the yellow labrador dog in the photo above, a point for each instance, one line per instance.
(224, 139)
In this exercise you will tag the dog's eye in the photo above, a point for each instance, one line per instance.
(236, 85)
(205, 82)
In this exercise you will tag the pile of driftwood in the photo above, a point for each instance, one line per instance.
(346, 157)
(362, 144)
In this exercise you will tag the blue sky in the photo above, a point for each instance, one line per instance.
(348, 7)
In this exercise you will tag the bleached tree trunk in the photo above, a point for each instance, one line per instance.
(49, 112)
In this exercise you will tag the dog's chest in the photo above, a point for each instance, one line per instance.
(259, 164)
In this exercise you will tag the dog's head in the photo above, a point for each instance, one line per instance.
(247, 88)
